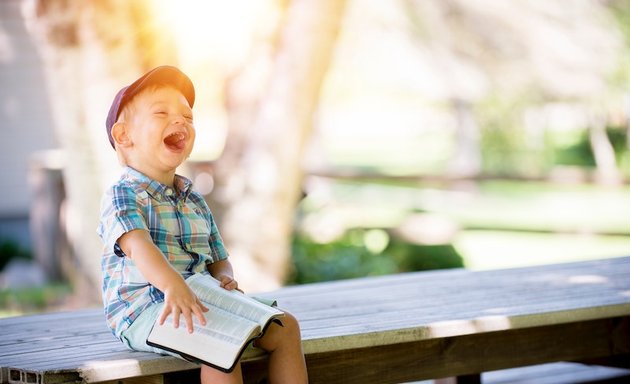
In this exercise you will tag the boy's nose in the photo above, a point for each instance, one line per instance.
(178, 119)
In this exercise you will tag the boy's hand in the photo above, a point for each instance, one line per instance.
(179, 299)
(222, 271)
(228, 282)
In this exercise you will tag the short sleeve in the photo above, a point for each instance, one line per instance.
(122, 210)
(216, 242)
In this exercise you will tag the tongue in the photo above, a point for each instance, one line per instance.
(175, 142)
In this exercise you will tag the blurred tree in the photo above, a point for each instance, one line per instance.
(87, 59)
(621, 79)
(259, 175)
(603, 151)
(515, 48)
(89, 48)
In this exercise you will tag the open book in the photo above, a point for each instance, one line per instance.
(232, 322)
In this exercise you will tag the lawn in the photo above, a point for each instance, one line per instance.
(498, 224)
(505, 249)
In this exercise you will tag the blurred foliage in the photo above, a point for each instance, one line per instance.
(578, 151)
(620, 9)
(619, 140)
(507, 146)
(350, 257)
(618, 137)
(414, 257)
(36, 299)
(501, 223)
(10, 249)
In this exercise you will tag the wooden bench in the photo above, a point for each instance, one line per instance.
(386, 329)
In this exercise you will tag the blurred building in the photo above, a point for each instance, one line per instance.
(26, 121)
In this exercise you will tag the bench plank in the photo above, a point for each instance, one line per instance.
(444, 304)
(411, 326)
(466, 355)
(558, 373)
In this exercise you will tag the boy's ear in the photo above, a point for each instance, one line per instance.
(120, 134)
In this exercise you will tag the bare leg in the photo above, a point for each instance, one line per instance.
(210, 375)
(286, 360)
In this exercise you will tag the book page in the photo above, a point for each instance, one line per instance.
(232, 321)
(219, 342)
(209, 290)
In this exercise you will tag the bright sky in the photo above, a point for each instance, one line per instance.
(383, 84)
(213, 38)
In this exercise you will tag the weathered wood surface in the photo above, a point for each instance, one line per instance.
(379, 329)
(432, 305)
(558, 373)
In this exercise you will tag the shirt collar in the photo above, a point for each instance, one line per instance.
(156, 189)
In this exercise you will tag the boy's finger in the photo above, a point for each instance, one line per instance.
(176, 314)
(227, 282)
(198, 311)
(165, 312)
(230, 285)
(189, 321)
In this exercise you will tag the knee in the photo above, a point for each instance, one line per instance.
(290, 324)
(278, 336)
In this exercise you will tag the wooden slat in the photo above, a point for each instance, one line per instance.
(363, 313)
(436, 358)
(447, 304)
(558, 373)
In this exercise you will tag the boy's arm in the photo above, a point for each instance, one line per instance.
(222, 271)
(179, 299)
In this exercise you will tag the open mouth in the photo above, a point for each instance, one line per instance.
(175, 141)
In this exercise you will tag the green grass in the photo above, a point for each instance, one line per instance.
(501, 223)
(497, 204)
(499, 249)
(543, 207)
(15, 302)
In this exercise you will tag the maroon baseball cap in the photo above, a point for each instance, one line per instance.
(164, 75)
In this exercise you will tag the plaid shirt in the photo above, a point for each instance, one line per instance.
(180, 224)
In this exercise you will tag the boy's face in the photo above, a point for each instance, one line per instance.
(159, 125)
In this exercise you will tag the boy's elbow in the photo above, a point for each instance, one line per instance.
(134, 242)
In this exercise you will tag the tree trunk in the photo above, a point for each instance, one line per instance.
(259, 176)
(87, 60)
(466, 160)
(603, 151)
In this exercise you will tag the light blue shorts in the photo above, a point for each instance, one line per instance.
(135, 337)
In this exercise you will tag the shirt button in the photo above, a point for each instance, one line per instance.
(168, 192)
